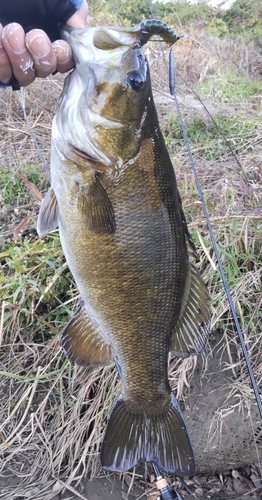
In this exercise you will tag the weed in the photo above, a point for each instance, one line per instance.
(53, 413)
(36, 279)
(205, 137)
(230, 87)
(13, 190)
(239, 244)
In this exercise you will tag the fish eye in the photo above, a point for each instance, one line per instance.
(135, 80)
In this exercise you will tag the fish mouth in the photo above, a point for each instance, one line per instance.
(105, 38)
(85, 159)
(105, 95)
(83, 154)
(108, 37)
(85, 40)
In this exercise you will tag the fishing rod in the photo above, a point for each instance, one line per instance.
(213, 240)
(162, 486)
(172, 82)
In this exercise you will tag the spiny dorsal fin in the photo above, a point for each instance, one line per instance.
(96, 207)
(192, 329)
(82, 341)
(48, 216)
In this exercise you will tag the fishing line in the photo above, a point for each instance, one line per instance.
(172, 82)
(214, 121)
(161, 484)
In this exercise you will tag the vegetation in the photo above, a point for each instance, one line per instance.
(46, 405)
(245, 16)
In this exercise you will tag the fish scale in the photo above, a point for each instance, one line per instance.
(115, 200)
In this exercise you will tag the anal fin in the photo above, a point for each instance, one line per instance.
(82, 341)
(48, 215)
(192, 329)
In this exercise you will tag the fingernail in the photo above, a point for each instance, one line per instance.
(38, 46)
(61, 49)
(15, 38)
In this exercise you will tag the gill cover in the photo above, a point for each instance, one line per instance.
(104, 101)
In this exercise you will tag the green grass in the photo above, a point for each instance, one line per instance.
(239, 244)
(205, 137)
(230, 87)
(12, 188)
(36, 279)
(39, 294)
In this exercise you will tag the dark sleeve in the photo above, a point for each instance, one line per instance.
(47, 15)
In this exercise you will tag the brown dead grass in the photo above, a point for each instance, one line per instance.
(53, 414)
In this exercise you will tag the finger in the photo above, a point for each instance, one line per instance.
(79, 18)
(5, 66)
(42, 52)
(64, 56)
(13, 39)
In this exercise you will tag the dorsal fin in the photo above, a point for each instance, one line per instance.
(191, 331)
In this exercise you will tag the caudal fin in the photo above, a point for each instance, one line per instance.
(162, 439)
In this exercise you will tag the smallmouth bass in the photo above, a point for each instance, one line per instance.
(115, 200)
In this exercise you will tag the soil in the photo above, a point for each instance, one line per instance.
(101, 489)
(104, 488)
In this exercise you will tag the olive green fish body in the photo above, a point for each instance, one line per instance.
(133, 283)
(124, 235)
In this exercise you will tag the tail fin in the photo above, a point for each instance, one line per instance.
(162, 439)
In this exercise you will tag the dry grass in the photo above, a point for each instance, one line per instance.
(53, 414)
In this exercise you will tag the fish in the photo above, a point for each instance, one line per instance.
(115, 200)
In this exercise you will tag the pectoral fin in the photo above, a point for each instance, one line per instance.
(192, 329)
(82, 341)
(48, 215)
(96, 207)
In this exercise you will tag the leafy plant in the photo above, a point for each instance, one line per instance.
(245, 16)
(36, 279)
(131, 12)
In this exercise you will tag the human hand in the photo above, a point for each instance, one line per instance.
(31, 55)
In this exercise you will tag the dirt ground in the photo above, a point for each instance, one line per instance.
(101, 489)
(104, 488)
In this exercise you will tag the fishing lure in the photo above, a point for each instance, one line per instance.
(152, 27)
